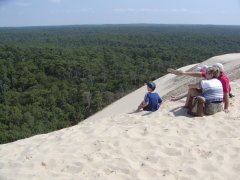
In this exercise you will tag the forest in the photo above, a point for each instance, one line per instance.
(54, 77)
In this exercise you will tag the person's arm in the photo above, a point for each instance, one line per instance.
(142, 105)
(194, 86)
(159, 100)
(226, 101)
(180, 72)
(193, 74)
(226, 89)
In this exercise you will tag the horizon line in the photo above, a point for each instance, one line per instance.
(117, 24)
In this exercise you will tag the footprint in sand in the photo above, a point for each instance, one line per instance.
(172, 152)
(152, 159)
(237, 167)
(191, 171)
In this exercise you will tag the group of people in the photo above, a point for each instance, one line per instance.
(214, 88)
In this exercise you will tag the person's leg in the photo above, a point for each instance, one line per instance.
(140, 106)
(191, 93)
(176, 98)
(212, 108)
(145, 108)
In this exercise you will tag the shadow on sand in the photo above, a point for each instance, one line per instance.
(180, 111)
(140, 111)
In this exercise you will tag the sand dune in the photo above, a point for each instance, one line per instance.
(120, 145)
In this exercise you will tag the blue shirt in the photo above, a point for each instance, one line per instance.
(153, 100)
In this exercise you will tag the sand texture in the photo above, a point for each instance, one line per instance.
(116, 144)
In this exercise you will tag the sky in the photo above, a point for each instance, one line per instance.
(18, 13)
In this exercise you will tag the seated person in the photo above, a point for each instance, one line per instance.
(202, 70)
(222, 77)
(211, 89)
(152, 100)
(226, 86)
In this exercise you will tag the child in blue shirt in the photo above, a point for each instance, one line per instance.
(152, 100)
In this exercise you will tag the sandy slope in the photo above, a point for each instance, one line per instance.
(170, 84)
(167, 144)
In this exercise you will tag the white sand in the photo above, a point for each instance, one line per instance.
(115, 145)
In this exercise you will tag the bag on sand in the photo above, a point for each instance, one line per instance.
(196, 107)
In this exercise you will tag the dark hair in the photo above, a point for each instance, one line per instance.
(151, 85)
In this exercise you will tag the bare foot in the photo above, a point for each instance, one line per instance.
(135, 111)
(226, 111)
(176, 98)
(185, 106)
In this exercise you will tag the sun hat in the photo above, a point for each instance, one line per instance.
(203, 68)
(219, 66)
(151, 85)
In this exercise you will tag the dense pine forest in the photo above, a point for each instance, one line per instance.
(55, 77)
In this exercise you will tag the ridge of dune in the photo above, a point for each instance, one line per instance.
(166, 144)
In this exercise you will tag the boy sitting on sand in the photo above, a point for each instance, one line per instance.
(152, 100)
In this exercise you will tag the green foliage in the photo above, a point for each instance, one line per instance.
(54, 77)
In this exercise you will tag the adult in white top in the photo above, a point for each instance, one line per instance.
(210, 88)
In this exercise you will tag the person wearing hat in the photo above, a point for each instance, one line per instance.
(152, 100)
(226, 85)
(210, 89)
(222, 78)
(200, 73)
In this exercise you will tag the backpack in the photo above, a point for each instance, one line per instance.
(196, 107)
